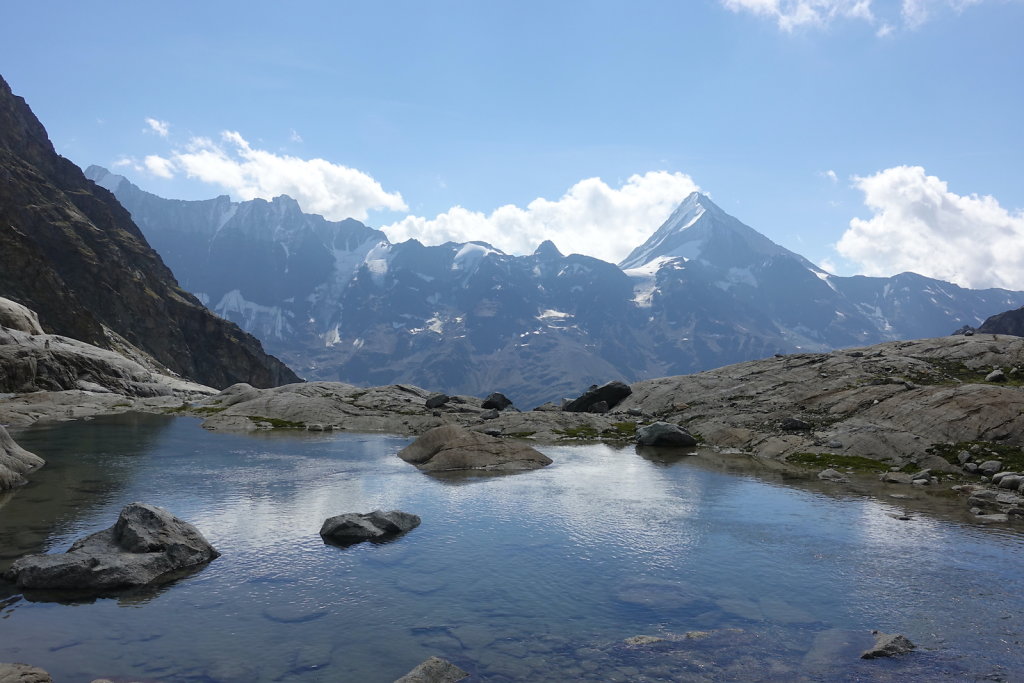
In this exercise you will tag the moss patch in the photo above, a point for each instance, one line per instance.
(945, 371)
(620, 430)
(580, 432)
(847, 462)
(520, 435)
(276, 423)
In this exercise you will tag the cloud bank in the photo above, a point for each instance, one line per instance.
(591, 218)
(794, 14)
(920, 226)
(331, 190)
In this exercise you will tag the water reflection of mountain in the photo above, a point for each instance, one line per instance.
(87, 464)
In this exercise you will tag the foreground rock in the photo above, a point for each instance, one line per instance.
(888, 645)
(15, 462)
(663, 434)
(23, 673)
(354, 527)
(145, 544)
(610, 394)
(891, 402)
(450, 448)
(434, 670)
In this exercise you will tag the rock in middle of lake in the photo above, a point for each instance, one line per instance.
(146, 543)
(378, 525)
(449, 448)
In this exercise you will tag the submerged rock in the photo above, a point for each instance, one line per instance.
(664, 434)
(434, 670)
(15, 462)
(450, 447)
(378, 525)
(888, 645)
(832, 475)
(146, 543)
(612, 394)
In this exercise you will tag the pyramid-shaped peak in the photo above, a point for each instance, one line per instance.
(547, 249)
(700, 229)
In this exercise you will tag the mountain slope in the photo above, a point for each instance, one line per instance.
(70, 251)
(704, 291)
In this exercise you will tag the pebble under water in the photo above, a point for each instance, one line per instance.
(540, 576)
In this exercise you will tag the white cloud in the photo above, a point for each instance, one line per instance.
(791, 14)
(295, 137)
(591, 218)
(887, 14)
(161, 128)
(331, 190)
(159, 166)
(920, 226)
(830, 174)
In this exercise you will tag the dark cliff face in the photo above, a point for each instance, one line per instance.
(1007, 322)
(69, 251)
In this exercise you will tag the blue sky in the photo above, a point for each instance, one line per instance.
(797, 116)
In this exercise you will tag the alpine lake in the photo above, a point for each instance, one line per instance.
(745, 574)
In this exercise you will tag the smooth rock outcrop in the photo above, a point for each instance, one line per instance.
(450, 447)
(664, 434)
(888, 645)
(15, 462)
(379, 525)
(612, 393)
(434, 670)
(145, 544)
(23, 673)
(17, 317)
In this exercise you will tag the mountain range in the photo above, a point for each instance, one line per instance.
(70, 252)
(339, 301)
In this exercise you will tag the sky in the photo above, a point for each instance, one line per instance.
(871, 136)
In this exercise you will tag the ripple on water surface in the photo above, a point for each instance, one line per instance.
(535, 576)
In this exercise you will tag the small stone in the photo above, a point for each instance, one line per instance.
(996, 375)
(835, 444)
(962, 457)
(793, 424)
(896, 478)
(971, 467)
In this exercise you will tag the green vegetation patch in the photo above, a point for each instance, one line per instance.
(520, 435)
(620, 430)
(1011, 456)
(581, 432)
(276, 423)
(945, 371)
(209, 410)
(848, 462)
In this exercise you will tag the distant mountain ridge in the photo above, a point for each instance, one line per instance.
(70, 252)
(703, 291)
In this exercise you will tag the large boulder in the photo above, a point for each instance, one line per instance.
(15, 462)
(434, 670)
(612, 393)
(496, 401)
(664, 434)
(23, 673)
(17, 317)
(354, 527)
(145, 544)
(450, 447)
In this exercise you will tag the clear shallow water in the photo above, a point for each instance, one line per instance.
(529, 577)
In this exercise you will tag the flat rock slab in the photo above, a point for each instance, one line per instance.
(146, 543)
(434, 670)
(379, 525)
(450, 447)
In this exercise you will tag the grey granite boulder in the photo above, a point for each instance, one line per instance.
(664, 434)
(145, 544)
(450, 447)
(794, 424)
(434, 670)
(437, 400)
(888, 645)
(379, 525)
(15, 462)
(23, 673)
(612, 394)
